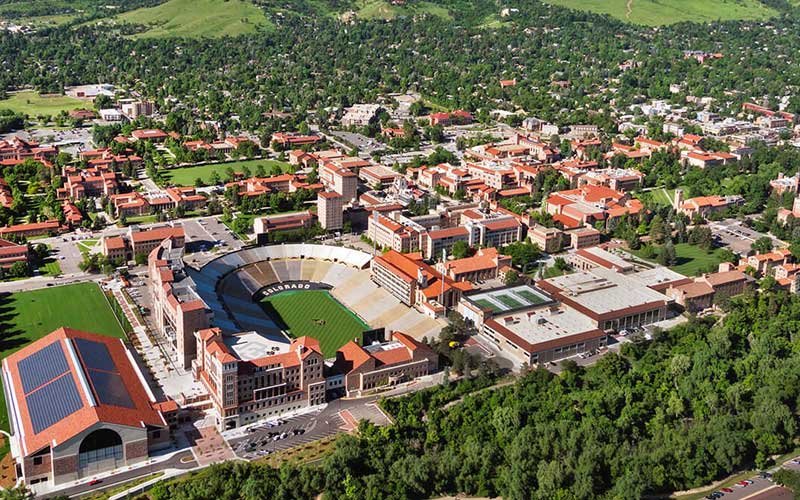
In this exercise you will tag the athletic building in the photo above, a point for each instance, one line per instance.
(78, 405)
(415, 283)
(529, 326)
(250, 377)
(381, 365)
(178, 311)
(615, 301)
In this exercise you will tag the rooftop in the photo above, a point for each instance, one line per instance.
(507, 299)
(546, 324)
(603, 290)
(248, 346)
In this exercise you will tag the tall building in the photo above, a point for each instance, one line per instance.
(250, 377)
(177, 309)
(330, 210)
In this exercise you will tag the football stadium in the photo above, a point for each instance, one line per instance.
(294, 290)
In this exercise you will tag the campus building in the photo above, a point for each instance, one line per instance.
(487, 263)
(529, 326)
(383, 364)
(140, 242)
(250, 377)
(614, 301)
(178, 311)
(330, 210)
(11, 253)
(78, 405)
(415, 283)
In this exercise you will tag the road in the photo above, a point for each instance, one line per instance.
(182, 461)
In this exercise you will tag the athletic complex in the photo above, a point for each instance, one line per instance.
(273, 329)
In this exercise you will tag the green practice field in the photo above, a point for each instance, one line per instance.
(185, 176)
(197, 19)
(28, 316)
(33, 104)
(656, 13)
(317, 314)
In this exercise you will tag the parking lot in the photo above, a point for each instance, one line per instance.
(738, 237)
(206, 237)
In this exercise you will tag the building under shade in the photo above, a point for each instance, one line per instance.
(78, 405)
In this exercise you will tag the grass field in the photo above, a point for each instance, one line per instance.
(317, 314)
(691, 260)
(197, 19)
(186, 176)
(33, 104)
(382, 9)
(28, 316)
(656, 13)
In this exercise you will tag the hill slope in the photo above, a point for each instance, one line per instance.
(197, 18)
(655, 12)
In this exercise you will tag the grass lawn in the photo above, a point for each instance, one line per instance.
(31, 103)
(317, 314)
(51, 267)
(28, 316)
(690, 259)
(655, 12)
(86, 246)
(197, 19)
(185, 176)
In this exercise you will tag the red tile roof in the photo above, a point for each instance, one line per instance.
(87, 416)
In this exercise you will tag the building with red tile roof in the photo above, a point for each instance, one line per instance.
(485, 264)
(6, 197)
(383, 364)
(155, 135)
(178, 311)
(458, 117)
(18, 149)
(415, 283)
(11, 253)
(293, 140)
(78, 405)
(703, 206)
(28, 230)
(589, 204)
(250, 377)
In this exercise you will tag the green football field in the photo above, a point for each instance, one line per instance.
(317, 314)
(28, 316)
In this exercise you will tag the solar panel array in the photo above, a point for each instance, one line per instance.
(109, 388)
(42, 367)
(95, 355)
(53, 402)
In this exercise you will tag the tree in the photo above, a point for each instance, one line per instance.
(762, 245)
(511, 278)
(667, 255)
(460, 249)
(658, 229)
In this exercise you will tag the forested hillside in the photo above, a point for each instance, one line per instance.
(698, 402)
(309, 63)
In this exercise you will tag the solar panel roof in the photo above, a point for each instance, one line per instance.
(42, 367)
(53, 402)
(95, 355)
(110, 389)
